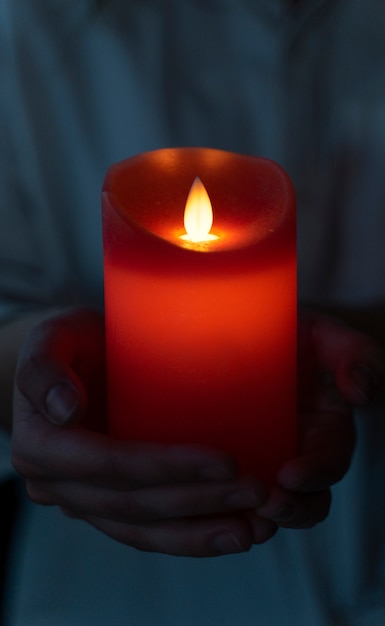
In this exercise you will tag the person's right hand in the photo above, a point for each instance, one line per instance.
(178, 500)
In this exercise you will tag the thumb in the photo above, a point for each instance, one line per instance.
(63, 403)
(357, 361)
(47, 373)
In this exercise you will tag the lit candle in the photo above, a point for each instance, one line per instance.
(201, 309)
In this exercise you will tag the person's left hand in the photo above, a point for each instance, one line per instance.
(339, 369)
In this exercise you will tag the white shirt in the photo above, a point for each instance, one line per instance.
(301, 86)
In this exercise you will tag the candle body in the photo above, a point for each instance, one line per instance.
(201, 343)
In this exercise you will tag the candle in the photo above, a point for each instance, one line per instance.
(201, 309)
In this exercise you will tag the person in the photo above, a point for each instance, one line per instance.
(85, 86)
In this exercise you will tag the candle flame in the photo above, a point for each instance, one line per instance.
(198, 215)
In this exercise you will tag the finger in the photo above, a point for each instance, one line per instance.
(263, 529)
(50, 355)
(147, 505)
(356, 360)
(327, 447)
(50, 373)
(195, 538)
(40, 450)
(290, 510)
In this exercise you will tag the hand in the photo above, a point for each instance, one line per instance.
(177, 500)
(339, 368)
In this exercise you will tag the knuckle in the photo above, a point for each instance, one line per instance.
(43, 331)
(140, 539)
(326, 505)
(316, 512)
(69, 513)
(37, 493)
(18, 462)
(111, 465)
(22, 465)
(27, 366)
(134, 509)
(115, 467)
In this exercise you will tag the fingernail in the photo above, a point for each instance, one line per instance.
(275, 508)
(365, 382)
(227, 543)
(291, 478)
(61, 403)
(246, 498)
(263, 529)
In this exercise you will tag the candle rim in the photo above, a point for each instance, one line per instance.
(281, 237)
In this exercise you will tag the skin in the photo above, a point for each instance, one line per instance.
(180, 500)
(12, 335)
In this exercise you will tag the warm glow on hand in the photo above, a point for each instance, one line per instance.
(198, 215)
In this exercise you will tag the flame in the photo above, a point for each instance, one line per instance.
(198, 214)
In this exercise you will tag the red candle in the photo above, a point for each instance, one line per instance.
(201, 335)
